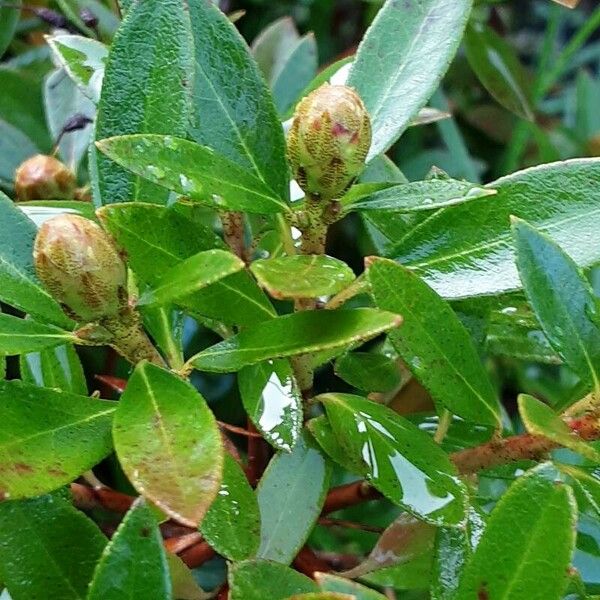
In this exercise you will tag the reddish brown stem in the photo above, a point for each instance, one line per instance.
(178, 544)
(197, 555)
(256, 456)
(223, 593)
(309, 563)
(328, 522)
(88, 498)
(349, 495)
(110, 383)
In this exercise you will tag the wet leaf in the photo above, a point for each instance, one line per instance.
(418, 40)
(232, 524)
(48, 549)
(332, 583)
(290, 335)
(194, 171)
(290, 497)
(168, 443)
(133, 563)
(48, 438)
(531, 560)
(302, 276)
(368, 371)
(400, 460)
(562, 300)
(434, 343)
(18, 336)
(262, 579)
(273, 402)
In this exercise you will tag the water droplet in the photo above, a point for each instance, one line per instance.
(155, 172)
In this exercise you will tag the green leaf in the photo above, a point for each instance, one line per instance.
(586, 485)
(401, 60)
(415, 196)
(168, 443)
(232, 524)
(39, 211)
(262, 579)
(108, 21)
(193, 274)
(233, 110)
(273, 46)
(83, 59)
(146, 89)
(562, 300)
(18, 336)
(133, 563)
(306, 276)
(322, 596)
(273, 402)
(19, 285)
(48, 438)
(9, 17)
(400, 460)
(497, 66)
(368, 371)
(290, 335)
(466, 250)
(15, 148)
(435, 345)
(197, 172)
(183, 582)
(58, 368)
(48, 549)
(333, 583)
(290, 497)
(531, 560)
(540, 419)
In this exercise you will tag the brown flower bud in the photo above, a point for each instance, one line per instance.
(329, 140)
(44, 178)
(79, 266)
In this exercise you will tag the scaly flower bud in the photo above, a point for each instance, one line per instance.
(329, 140)
(44, 178)
(79, 266)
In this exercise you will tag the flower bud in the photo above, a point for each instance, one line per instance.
(329, 140)
(44, 177)
(79, 266)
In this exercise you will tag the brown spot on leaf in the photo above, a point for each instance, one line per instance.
(482, 593)
(145, 532)
(22, 468)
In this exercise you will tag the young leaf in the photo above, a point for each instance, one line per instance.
(168, 443)
(400, 460)
(434, 343)
(408, 35)
(290, 497)
(498, 68)
(273, 402)
(531, 560)
(290, 335)
(307, 276)
(133, 563)
(191, 275)
(333, 583)
(261, 579)
(562, 300)
(232, 524)
(233, 112)
(48, 549)
(368, 371)
(18, 336)
(540, 419)
(146, 90)
(48, 438)
(197, 172)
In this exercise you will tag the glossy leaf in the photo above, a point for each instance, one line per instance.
(368, 371)
(48, 549)
(58, 368)
(9, 18)
(273, 402)
(400, 460)
(540, 419)
(133, 563)
(401, 60)
(193, 274)
(333, 583)
(232, 524)
(195, 171)
(497, 66)
(290, 497)
(435, 345)
(465, 250)
(531, 560)
(585, 485)
(562, 300)
(168, 443)
(19, 285)
(18, 336)
(290, 335)
(261, 579)
(145, 90)
(48, 438)
(233, 112)
(306, 276)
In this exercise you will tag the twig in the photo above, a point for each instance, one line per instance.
(256, 456)
(309, 563)
(329, 522)
(233, 232)
(176, 545)
(87, 498)
(197, 555)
